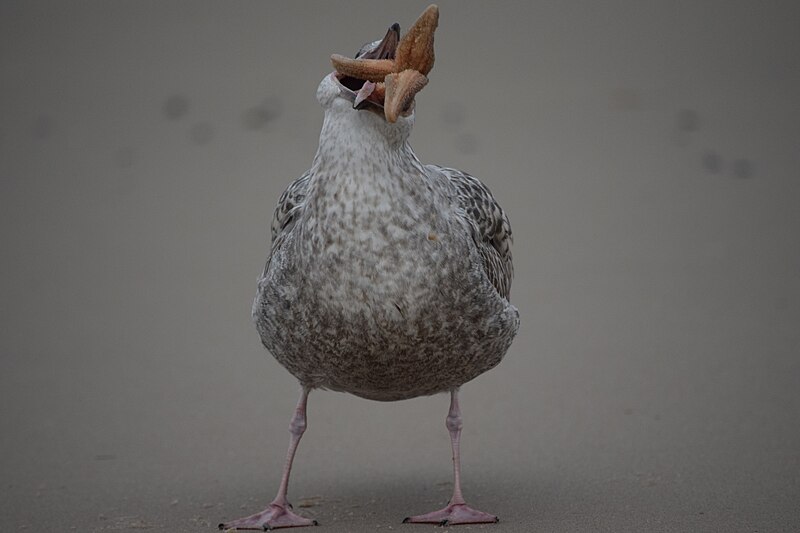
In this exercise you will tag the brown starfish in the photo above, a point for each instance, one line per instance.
(398, 70)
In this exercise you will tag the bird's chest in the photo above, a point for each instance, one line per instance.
(371, 246)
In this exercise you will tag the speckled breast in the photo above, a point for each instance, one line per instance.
(414, 317)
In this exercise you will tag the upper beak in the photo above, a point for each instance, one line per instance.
(388, 45)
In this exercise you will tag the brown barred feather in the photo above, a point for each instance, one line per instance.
(491, 227)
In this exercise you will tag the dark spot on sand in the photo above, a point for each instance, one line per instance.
(104, 457)
(743, 169)
(259, 116)
(712, 162)
(176, 106)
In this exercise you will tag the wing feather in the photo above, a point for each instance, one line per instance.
(285, 215)
(490, 224)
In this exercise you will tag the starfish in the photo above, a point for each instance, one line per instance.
(394, 76)
(387, 278)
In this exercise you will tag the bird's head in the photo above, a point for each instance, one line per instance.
(385, 75)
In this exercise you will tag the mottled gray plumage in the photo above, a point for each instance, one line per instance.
(387, 278)
(491, 227)
(490, 224)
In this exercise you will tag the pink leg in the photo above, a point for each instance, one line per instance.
(278, 513)
(457, 511)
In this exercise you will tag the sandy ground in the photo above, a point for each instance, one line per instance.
(648, 155)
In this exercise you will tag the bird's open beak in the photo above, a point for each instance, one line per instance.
(368, 95)
(388, 77)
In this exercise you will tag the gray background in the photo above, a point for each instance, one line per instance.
(648, 155)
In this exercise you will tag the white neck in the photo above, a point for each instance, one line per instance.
(362, 140)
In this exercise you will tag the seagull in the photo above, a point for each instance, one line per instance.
(387, 278)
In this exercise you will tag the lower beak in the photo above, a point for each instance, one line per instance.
(363, 93)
